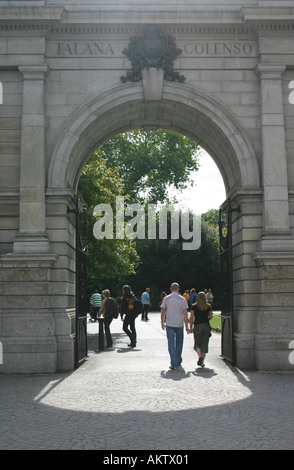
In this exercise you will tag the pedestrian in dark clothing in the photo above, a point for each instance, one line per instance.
(128, 315)
(145, 299)
(199, 323)
(193, 297)
(109, 311)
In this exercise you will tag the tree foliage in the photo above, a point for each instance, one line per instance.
(141, 166)
(149, 162)
(164, 262)
(110, 261)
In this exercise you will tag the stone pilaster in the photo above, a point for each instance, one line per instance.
(276, 222)
(32, 215)
(274, 258)
(27, 325)
(275, 321)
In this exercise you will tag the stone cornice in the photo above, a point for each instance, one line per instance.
(46, 20)
(269, 258)
(125, 29)
(267, 13)
(30, 260)
(43, 29)
(154, 14)
(270, 71)
(30, 13)
(193, 16)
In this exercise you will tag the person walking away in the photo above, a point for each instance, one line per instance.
(162, 295)
(128, 314)
(200, 314)
(145, 299)
(187, 297)
(193, 296)
(109, 311)
(173, 317)
(210, 297)
(95, 304)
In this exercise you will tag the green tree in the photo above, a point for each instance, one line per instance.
(211, 217)
(164, 262)
(110, 261)
(140, 166)
(150, 162)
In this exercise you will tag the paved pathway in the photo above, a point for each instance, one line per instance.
(124, 398)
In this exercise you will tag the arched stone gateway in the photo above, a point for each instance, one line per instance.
(72, 77)
(181, 109)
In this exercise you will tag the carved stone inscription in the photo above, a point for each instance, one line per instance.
(210, 48)
(195, 48)
(80, 48)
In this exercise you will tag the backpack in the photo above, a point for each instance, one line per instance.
(115, 310)
(111, 308)
(134, 306)
(138, 307)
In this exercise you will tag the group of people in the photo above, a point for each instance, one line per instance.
(105, 306)
(191, 296)
(130, 308)
(174, 315)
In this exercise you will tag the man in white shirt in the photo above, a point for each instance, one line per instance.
(173, 316)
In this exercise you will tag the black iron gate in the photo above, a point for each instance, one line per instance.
(81, 346)
(226, 273)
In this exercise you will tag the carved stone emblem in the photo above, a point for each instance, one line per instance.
(152, 45)
(152, 48)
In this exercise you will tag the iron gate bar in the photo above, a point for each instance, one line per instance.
(227, 291)
(81, 346)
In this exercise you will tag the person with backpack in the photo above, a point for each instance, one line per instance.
(109, 311)
(130, 309)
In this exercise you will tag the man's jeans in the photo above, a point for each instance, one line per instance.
(175, 338)
(145, 312)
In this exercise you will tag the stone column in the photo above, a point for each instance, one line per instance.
(275, 260)
(32, 217)
(274, 161)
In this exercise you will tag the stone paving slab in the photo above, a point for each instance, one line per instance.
(128, 399)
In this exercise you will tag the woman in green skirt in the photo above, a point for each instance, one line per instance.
(199, 323)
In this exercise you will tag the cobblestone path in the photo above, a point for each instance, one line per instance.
(123, 398)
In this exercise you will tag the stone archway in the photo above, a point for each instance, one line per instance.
(181, 109)
(61, 66)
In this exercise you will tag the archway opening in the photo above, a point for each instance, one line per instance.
(181, 109)
(128, 152)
